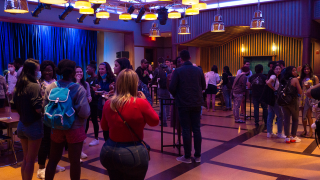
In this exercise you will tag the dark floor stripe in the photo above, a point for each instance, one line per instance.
(254, 171)
(205, 157)
(310, 148)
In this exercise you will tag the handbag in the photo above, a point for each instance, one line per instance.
(268, 95)
(142, 141)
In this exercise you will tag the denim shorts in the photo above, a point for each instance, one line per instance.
(31, 132)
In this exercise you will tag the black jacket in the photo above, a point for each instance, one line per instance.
(142, 77)
(187, 84)
(156, 72)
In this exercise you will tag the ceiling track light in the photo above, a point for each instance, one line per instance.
(130, 9)
(257, 21)
(81, 18)
(38, 10)
(141, 13)
(96, 21)
(163, 15)
(66, 11)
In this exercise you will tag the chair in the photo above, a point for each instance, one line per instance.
(7, 138)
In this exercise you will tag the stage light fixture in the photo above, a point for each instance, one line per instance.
(81, 18)
(163, 15)
(96, 21)
(141, 13)
(130, 10)
(38, 10)
(65, 13)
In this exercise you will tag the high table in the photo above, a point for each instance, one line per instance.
(11, 123)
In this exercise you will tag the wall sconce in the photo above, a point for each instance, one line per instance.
(274, 47)
(242, 48)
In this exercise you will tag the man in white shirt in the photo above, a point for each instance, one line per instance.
(18, 64)
(247, 64)
(11, 80)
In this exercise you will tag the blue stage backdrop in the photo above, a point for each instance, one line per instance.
(46, 43)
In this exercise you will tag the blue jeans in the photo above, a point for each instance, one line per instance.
(190, 118)
(272, 111)
(226, 96)
(124, 160)
(256, 103)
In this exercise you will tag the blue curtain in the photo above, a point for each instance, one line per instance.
(46, 43)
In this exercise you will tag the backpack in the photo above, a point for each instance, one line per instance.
(284, 94)
(163, 72)
(258, 81)
(230, 82)
(59, 113)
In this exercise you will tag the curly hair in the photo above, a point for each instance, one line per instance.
(44, 65)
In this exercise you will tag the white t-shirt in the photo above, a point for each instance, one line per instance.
(275, 79)
(240, 71)
(212, 78)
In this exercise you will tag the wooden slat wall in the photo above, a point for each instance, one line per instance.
(282, 18)
(259, 44)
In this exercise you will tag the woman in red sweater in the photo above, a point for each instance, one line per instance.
(123, 155)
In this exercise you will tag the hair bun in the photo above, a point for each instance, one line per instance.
(93, 62)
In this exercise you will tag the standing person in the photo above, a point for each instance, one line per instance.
(150, 71)
(18, 64)
(91, 71)
(168, 63)
(283, 68)
(142, 71)
(76, 134)
(123, 154)
(292, 109)
(212, 79)
(257, 83)
(102, 84)
(48, 76)
(246, 63)
(239, 90)
(11, 80)
(3, 90)
(306, 79)
(160, 75)
(28, 100)
(80, 80)
(186, 86)
(225, 91)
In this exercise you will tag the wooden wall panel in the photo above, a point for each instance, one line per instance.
(259, 44)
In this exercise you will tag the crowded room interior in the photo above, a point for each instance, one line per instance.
(160, 89)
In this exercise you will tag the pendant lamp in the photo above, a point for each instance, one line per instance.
(98, 1)
(154, 31)
(191, 11)
(190, 2)
(184, 28)
(217, 25)
(103, 14)
(82, 4)
(125, 16)
(257, 22)
(199, 6)
(86, 11)
(150, 16)
(16, 6)
(54, 1)
(174, 15)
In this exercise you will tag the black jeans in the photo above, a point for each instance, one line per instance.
(2, 103)
(94, 119)
(105, 133)
(256, 103)
(124, 160)
(44, 150)
(190, 118)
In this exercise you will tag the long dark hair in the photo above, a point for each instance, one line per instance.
(124, 63)
(44, 65)
(82, 81)
(288, 74)
(27, 75)
(110, 75)
(303, 74)
(226, 69)
(214, 69)
(272, 71)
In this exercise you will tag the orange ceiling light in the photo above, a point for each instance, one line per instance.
(54, 1)
(82, 4)
(150, 17)
(86, 11)
(103, 15)
(98, 1)
(191, 11)
(190, 2)
(174, 15)
(199, 6)
(125, 16)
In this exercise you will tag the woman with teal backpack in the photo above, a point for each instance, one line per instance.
(75, 134)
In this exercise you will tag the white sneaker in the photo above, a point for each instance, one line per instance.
(41, 173)
(197, 159)
(83, 155)
(271, 135)
(295, 139)
(60, 168)
(184, 160)
(287, 140)
(94, 142)
(282, 136)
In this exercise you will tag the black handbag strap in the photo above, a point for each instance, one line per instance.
(125, 122)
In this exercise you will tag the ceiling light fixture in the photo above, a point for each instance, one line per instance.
(16, 6)
(184, 28)
(191, 11)
(150, 16)
(141, 13)
(98, 1)
(154, 31)
(199, 6)
(125, 16)
(82, 4)
(174, 15)
(217, 25)
(257, 22)
(190, 2)
(103, 14)
(54, 1)
(86, 11)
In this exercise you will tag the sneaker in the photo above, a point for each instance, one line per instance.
(83, 155)
(240, 121)
(94, 142)
(184, 160)
(41, 173)
(287, 140)
(60, 168)
(295, 139)
(271, 135)
(280, 135)
(197, 159)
